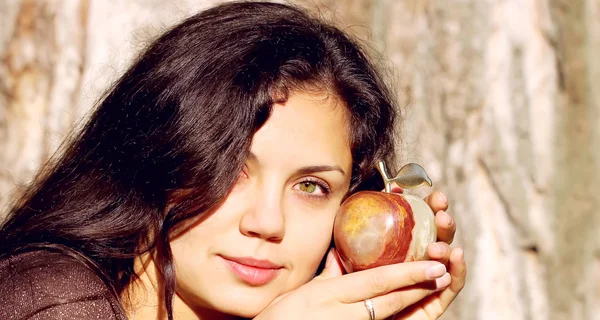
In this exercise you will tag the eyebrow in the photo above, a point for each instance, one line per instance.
(313, 169)
(308, 169)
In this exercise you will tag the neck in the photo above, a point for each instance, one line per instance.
(143, 298)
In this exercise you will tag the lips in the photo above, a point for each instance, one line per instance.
(252, 271)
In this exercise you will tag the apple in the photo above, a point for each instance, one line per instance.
(374, 228)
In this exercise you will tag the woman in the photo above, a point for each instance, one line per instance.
(206, 183)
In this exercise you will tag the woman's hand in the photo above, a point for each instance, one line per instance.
(453, 258)
(399, 291)
(391, 288)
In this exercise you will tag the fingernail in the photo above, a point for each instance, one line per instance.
(329, 259)
(449, 219)
(443, 282)
(440, 248)
(435, 271)
(443, 198)
(461, 254)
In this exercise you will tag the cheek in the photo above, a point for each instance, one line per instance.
(193, 254)
(190, 251)
(194, 246)
(310, 240)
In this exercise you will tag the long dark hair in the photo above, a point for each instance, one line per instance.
(168, 140)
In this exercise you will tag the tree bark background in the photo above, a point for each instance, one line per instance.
(499, 106)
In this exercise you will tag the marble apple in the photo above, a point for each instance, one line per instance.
(374, 228)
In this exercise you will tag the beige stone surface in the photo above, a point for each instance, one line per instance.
(500, 102)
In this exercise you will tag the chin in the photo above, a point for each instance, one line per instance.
(247, 313)
(242, 303)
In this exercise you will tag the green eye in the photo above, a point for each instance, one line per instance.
(308, 187)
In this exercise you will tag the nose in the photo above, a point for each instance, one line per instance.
(264, 216)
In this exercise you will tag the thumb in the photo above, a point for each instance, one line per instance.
(333, 266)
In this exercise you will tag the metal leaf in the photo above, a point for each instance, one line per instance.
(412, 175)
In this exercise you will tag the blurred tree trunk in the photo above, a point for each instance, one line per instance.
(498, 101)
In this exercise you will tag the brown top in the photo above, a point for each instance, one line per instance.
(47, 285)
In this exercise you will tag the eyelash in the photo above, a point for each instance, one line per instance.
(322, 184)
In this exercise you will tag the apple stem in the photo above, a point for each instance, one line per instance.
(386, 177)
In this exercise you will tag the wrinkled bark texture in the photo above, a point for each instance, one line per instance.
(498, 103)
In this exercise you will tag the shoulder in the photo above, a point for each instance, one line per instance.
(50, 285)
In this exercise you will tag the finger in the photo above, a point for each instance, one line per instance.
(439, 251)
(369, 283)
(446, 226)
(458, 271)
(277, 299)
(437, 201)
(395, 188)
(333, 266)
(389, 304)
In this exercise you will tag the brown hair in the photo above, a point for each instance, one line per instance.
(182, 118)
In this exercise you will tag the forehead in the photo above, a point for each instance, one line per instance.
(308, 127)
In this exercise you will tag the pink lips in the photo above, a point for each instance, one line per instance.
(252, 271)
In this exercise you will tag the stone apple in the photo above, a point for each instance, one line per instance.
(374, 228)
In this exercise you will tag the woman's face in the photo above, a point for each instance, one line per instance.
(272, 231)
